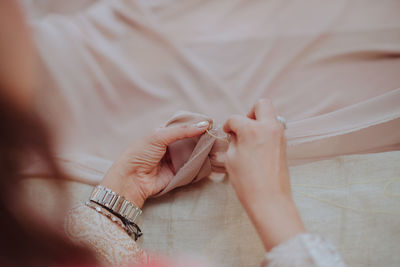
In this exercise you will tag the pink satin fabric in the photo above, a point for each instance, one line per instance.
(114, 70)
(194, 158)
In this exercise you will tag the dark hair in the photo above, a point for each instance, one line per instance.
(25, 242)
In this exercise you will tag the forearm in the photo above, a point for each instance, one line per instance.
(275, 218)
(107, 239)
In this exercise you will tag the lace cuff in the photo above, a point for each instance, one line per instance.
(303, 250)
(110, 242)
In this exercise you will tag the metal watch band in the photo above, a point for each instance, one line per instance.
(116, 203)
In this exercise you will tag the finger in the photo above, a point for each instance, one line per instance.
(235, 124)
(263, 110)
(168, 135)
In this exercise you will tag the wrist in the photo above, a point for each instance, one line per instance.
(258, 197)
(276, 220)
(135, 195)
(125, 187)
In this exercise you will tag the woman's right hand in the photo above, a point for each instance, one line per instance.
(257, 167)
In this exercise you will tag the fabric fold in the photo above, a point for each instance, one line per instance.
(190, 157)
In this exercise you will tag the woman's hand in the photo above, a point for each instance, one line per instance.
(257, 167)
(140, 172)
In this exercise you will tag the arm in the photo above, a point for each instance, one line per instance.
(257, 167)
(303, 250)
(110, 243)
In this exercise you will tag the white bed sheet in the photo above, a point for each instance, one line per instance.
(349, 208)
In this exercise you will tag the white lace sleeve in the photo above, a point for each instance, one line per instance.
(111, 244)
(304, 250)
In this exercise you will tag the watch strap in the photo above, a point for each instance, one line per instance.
(115, 203)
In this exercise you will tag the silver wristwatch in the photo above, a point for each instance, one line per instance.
(115, 203)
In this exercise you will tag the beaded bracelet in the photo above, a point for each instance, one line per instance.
(132, 229)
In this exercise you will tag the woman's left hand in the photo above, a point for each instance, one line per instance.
(140, 172)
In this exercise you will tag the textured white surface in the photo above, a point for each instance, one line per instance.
(207, 219)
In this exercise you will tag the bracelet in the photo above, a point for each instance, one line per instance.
(132, 229)
(115, 203)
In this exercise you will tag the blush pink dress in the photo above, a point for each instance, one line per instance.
(114, 70)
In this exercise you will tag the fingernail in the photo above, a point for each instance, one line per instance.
(202, 124)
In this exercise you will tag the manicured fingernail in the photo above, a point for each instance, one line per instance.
(202, 124)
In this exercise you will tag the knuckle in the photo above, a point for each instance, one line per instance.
(157, 135)
(275, 129)
(184, 127)
(254, 131)
(228, 121)
(234, 122)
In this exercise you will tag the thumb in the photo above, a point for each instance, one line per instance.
(164, 136)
